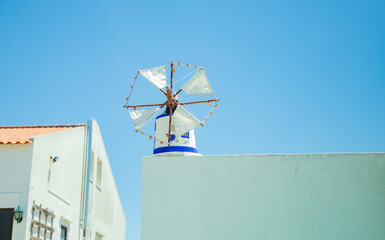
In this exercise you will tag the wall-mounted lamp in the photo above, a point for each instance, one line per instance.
(18, 214)
(54, 159)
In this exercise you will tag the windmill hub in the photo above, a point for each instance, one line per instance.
(171, 102)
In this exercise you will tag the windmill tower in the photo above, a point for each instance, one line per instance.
(174, 128)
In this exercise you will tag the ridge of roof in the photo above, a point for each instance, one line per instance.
(45, 126)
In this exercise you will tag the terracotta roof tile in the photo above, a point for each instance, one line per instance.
(22, 134)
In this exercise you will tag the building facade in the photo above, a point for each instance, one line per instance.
(60, 177)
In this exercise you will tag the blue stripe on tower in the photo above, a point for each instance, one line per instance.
(163, 115)
(175, 149)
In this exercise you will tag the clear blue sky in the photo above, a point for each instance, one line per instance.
(292, 76)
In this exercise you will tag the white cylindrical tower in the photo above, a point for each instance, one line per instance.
(180, 145)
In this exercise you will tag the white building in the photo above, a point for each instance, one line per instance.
(61, 179)
(269, 197)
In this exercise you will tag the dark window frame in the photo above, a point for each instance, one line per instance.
(65, 232)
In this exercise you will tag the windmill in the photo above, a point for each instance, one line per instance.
(175, 127)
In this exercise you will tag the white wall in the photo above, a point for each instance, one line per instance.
(282, 196)
(61, 190)
(105, 211)
(15, 165)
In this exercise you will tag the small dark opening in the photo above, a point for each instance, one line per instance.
(6, 221)
(168, 109)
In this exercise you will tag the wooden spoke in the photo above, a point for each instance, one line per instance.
(163, 91)
(177, 92)
(169, 127)
(172, 74)
(207, 101)
(144, 105)
(163, 104)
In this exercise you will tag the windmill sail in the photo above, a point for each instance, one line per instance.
(183, 121)
(141, 117)
(156, 76)
(198, 84)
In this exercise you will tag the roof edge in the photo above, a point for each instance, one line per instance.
(46, 126)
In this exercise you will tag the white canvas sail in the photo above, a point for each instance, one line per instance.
(141, 117)
(156, 76)
(182, 121)
(198, 84)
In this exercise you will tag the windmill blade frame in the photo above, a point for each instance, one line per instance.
(198, 85)
(156, 76)
(141, 117)
(180, 120)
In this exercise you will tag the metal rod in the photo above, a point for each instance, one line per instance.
(45, 230)
(33, 216)
(38, 228)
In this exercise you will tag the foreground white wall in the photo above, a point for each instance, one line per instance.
(288, 196)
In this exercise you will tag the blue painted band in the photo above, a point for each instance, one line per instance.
(163, 115)
(175, 149)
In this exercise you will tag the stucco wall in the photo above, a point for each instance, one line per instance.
(282, 196)
(105, 211)
(15, 169)
(58, 188)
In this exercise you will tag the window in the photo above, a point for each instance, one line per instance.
(42, 222)
(63, 233)
(92, 166)
(65, 228)
(99, 174)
